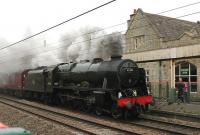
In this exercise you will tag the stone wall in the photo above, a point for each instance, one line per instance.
(158, 77)
(168, 53)
(141, 27)
(185, 40)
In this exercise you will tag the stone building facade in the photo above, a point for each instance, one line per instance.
(168, 49)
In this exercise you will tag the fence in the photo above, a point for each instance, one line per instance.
(162, 91)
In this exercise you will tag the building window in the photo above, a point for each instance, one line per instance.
(138, 41)
(188, 73)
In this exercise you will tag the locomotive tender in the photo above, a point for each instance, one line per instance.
(116, 86)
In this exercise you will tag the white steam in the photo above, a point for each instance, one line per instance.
(94, 45)
(75, 46)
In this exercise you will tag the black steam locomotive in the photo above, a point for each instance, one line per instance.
(116, 86)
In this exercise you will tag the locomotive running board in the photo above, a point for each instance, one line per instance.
(83, 88)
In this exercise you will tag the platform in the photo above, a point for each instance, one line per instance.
(185, 108)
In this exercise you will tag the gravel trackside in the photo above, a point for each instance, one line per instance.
(16, 118)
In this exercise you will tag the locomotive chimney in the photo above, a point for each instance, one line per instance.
(84, 61)
(96, 60)
(116, 57)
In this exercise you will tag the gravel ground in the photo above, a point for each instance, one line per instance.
(15, 118)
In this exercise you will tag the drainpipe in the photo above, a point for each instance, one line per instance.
(172, 77)
(160, 78)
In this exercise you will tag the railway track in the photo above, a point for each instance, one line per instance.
(76, 123)
(181, 116)
(171, 124)
(88, 124)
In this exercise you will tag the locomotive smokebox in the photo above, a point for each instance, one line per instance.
(116, 57)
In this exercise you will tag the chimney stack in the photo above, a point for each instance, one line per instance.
(135, 10)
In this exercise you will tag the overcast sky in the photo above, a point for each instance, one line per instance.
(18, 15)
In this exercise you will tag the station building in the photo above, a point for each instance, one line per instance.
(168, 49)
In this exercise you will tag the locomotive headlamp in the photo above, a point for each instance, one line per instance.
(134, 92)
(119, 94)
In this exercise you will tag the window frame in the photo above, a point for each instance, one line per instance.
(189, 76)
(138, 41)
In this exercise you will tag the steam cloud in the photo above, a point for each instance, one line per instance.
(96, 44)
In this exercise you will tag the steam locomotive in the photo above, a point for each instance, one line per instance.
(116, 86)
